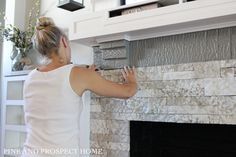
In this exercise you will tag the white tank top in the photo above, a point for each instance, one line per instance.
(52, 110)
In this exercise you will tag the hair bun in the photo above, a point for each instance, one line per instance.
(44, 22)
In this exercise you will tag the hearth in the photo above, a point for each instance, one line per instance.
(161, 139)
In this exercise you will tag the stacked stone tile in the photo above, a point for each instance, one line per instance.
(201, 92)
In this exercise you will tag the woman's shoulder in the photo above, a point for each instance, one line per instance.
(78, 76)
(79, 70)
(83, 72)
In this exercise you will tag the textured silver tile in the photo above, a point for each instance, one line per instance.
(211, 45)
(108, 64)
(224, 43)
(97, 59)
(216, 44)
(233, 42)
(116, 53)
(184, 48)
(120, 63)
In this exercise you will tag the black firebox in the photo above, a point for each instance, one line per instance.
(160, 139)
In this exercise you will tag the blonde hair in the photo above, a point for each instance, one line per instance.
(47, 36)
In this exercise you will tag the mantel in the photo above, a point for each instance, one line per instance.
(193, 16)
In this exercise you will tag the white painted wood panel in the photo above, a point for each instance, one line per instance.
(174, 19)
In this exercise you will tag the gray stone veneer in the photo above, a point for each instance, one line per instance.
(112, 55)
(209, 45)
(200, 92)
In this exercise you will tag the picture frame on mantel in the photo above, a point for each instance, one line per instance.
(125, 2)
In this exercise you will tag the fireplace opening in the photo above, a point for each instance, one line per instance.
(161, 139)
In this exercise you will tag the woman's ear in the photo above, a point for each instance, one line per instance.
(64, 42)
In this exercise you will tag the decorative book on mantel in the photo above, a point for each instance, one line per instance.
(134, 6)
(133, 1)
(140, 8)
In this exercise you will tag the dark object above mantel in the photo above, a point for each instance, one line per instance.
(70, 5)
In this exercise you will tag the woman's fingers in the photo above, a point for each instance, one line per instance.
(124, 74)
(133, 70)
(128, 73)
(126, 70)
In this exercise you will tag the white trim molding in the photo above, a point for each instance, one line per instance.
(174, 19)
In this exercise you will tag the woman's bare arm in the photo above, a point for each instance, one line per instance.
(83, 79)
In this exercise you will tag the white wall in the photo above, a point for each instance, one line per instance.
(105, 4)
(20, 11)
(7, 46)
(2, 8)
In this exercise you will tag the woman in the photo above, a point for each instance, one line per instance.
(53, 92)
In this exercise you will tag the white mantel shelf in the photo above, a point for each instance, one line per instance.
(193, 16)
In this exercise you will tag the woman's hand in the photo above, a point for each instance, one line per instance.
(129, 75)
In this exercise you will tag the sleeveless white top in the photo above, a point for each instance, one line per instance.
(52, 113)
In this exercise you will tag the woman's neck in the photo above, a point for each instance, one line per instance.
(51, 66)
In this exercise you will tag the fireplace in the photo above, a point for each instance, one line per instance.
(182, 79)
(159, 139)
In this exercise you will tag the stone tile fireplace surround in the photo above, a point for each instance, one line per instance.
(191, 80)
